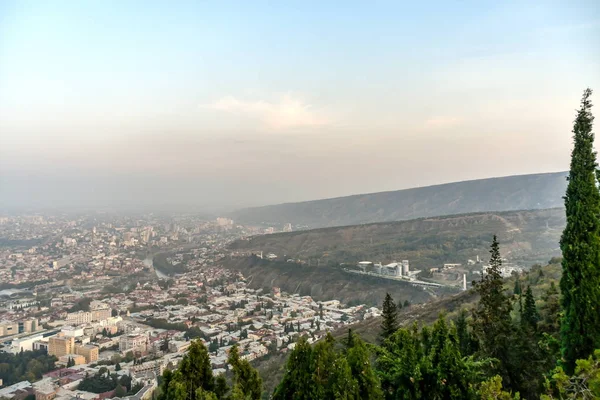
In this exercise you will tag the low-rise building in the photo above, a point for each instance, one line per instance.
(88, 351)
(133, 342)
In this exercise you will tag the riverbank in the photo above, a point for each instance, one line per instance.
(149, 262)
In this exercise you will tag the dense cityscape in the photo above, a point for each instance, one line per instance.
(299, 200)
(85, 291)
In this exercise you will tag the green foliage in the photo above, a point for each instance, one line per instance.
(324, 372)
(550, 311)
(164, 324)
(25, 365)
(81, 305)
(389, 317)
(359, 360)
(99, 383)
(492, 389)
(428, 364)
(297, 381)
(246, 379)
(196, 370)
(466, 342)
(193, 380)
(517, 290)
(120, 391)
(530, 315)
(580, 245)
(492, 323)
(584, 384)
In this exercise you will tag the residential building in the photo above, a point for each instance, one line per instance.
(76, 358)
(90, 352)
(61, 345)
(79, 317)
(133, 342)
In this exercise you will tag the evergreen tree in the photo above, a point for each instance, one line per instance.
(331, 373)
(580, 245)
(164, 344)
(221, 387)
(120, 391)
(389, 316)
(530, 315)
(517, 290)
(550, 312)
(465, 341)
(196, 369)
(369, 387)
(246, 379)
(428, 365)
(350, 339)
(492, 323)
(297, 381)
(117, 367)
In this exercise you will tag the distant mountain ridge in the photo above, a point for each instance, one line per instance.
(518, 192)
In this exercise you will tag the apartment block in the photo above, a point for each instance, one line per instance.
(60, 345)
(133, 342)
(88, 351)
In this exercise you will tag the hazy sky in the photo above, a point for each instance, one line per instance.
(226, 104)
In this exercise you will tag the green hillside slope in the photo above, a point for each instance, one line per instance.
(528, 237)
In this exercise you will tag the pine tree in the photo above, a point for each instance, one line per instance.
(580, 245)
(246, 379)
(117, 367)
(221, 387)
(517, 289)
(492, 323)
(331, 373)
(530, 315)
(389, 315)
(369, 386)
(349, 339)
(297, 381)
(463, 334)
(550, 312)
(196, 369)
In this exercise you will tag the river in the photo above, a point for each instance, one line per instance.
(149, 262)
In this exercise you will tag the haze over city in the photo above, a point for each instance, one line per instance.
(142, 104)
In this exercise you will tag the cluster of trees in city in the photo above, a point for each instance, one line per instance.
(507, 347)
(81, 305)
(103, 382)
(25, 365)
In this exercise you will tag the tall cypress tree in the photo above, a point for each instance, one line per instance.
(580, 245)
(530, 315)
(389, 315)
(517, 290)
(492, 323)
